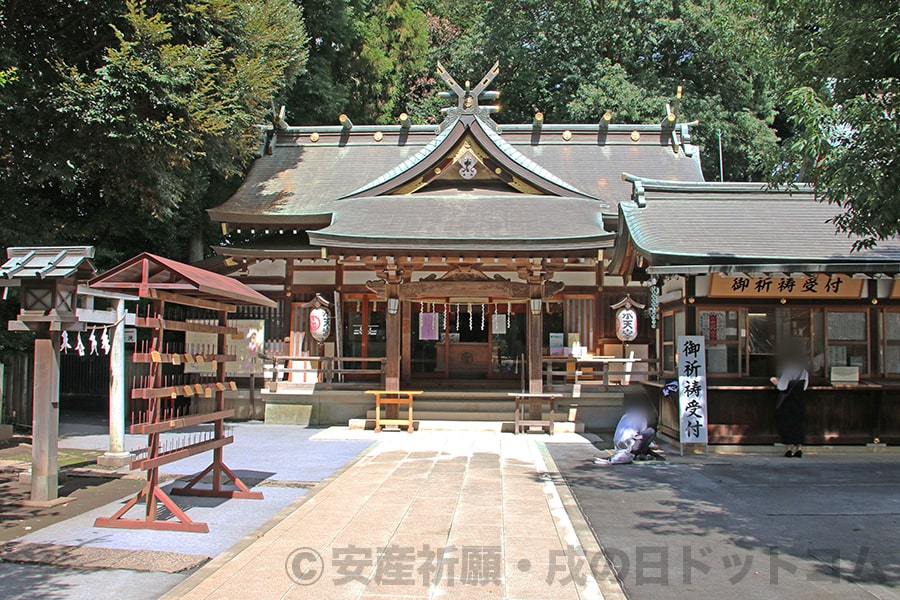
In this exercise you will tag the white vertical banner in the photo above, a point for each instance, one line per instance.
(692, 390)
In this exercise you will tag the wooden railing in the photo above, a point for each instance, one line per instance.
(321, 369)
(598, 372)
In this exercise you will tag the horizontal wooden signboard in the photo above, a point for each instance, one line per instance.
(833, 286)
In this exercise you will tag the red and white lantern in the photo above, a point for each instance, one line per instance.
(319, 324)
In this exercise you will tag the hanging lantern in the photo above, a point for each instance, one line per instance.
(627, 319)
(319, 318)
(626, 324)
(319, 324)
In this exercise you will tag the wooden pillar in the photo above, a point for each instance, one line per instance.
(218, 452)
(154, 413)
(406, 345)
(288, 277)
(534, 333)
(600, 309)
(393, 339)
(116, 455)
(45, 424)
(690, 313)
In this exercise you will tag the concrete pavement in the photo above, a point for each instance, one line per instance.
(428, 515)
(73, 559)
(754, 525)
(487, 515)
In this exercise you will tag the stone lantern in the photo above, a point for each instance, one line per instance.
(48, 279)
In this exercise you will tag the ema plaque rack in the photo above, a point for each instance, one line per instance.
(159, 398)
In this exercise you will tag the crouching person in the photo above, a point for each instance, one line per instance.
(633, 440)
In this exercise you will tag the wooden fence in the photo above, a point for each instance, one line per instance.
(17, 377)
(83, 383)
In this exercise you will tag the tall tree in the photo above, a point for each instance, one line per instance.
(576, 60)
(457, 34)
(128, 117)
(841, 92)
(323, 91)
(364, 58)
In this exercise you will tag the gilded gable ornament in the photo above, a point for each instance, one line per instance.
(467, 166)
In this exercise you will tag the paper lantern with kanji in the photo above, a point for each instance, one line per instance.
(319, 324)
(627, 318)
(626, 324)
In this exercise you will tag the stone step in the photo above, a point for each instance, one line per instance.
(464, 406)
(468, 425)
(452, 415)
(449, 415)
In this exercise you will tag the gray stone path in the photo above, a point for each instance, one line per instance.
(429, 515)
(74, 559)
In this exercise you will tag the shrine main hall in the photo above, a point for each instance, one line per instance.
(472, 257)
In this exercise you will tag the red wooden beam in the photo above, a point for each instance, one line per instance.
(144, 464)
(145, 428)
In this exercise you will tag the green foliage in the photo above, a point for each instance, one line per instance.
(393, 52)
(578, 60)
(574, 61)
(612, 90)
(7, 76)
(457, 35)
(123, 120)
(146, 107)
(364, 58)
(322, 92)
(841, 88)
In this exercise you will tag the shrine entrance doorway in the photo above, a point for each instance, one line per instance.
(466, 338)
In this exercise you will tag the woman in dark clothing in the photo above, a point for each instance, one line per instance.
(790, 409)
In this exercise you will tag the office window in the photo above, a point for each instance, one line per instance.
(891, 342)
(847, 339)
(721, 329)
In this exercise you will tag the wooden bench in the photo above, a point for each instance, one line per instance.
(393, 398)
(535, 404)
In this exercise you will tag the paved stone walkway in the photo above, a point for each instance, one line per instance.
(447, 515)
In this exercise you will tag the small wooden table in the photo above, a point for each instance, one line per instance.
(535, 404)
(583, 379)
(395, 398)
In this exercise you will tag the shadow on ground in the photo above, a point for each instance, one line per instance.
(817, 527)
